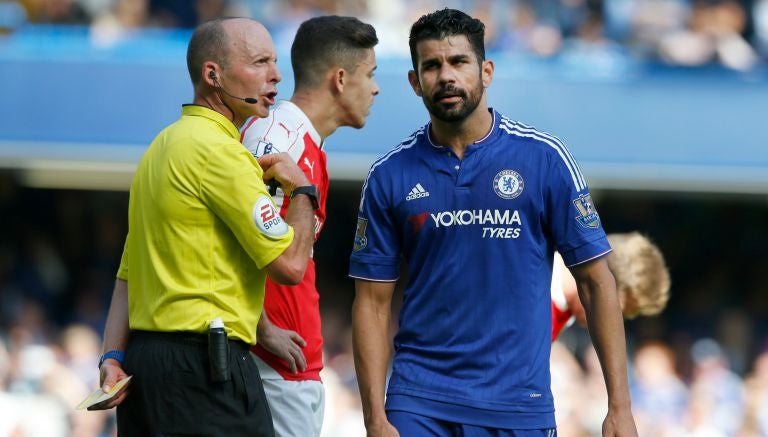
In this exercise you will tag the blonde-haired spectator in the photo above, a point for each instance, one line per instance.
(642, 281)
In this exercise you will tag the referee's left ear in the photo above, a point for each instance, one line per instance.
(486, 72)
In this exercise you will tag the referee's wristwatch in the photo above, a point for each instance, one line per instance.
(118, 356)
(310, 191)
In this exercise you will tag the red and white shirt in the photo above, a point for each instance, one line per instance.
(287, 129)
(562, 317)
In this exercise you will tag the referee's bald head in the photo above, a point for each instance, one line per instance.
(215, 39)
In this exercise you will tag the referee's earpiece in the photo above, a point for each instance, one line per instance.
(212, 75)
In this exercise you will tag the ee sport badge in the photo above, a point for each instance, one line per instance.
(267, 219)
(508, 184)
(587, 214)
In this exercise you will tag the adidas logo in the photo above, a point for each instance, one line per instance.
(417, 192)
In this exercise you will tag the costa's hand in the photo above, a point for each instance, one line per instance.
(383, 429)
(280, 167)
(619, 423)
(110, 373)
(284, 344)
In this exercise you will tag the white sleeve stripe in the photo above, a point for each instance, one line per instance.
(543, 136)
(406, 144)
(526, 128)
(363, 278)
(513, 131)
(590, 259)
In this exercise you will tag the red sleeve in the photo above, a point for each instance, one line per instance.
(560, 319)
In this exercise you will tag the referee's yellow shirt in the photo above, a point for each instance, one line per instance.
(202, 228)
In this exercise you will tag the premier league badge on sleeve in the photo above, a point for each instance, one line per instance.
(360, 239)
(508, 184)
(261, 148)
(587, 213)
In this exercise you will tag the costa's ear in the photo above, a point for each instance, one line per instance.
(413, 79)
(487, 72)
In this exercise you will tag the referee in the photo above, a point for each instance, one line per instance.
(203, 236)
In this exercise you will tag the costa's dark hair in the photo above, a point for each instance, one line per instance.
(323, 42)
(209, 42)
(444, 23)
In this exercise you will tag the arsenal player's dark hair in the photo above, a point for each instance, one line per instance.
(329, 41)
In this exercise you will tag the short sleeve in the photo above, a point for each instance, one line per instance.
(573, 219)
(122, 271)
(232, 187)
(376, 251)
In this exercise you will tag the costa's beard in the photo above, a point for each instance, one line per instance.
(454, 111)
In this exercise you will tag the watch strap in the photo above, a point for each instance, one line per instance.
(310, 191)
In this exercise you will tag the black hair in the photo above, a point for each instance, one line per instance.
(323, 42)
(444, 23)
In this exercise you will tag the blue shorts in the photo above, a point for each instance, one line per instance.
(410, 424)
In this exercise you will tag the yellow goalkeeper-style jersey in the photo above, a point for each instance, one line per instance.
(202, 229)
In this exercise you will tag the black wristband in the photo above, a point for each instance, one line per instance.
(310, 191)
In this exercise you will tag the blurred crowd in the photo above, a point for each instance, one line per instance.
(695, 370)
(692, 374)
(732, 33)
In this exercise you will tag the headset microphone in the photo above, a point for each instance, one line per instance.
(250, 100)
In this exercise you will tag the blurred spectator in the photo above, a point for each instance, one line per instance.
(714, 33)
(659, 396)
(567, 390)
(654, 20)
(125, 17)
(9, 420)
(81, 348)
(717, 394)
(343, 411)
(523, 32)
(678, 32)
(12, 16)
(760, 17)
(756, 409)
(56, 12)
(735, 335)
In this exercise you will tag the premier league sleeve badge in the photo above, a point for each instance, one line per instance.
(360, 239)
(587, 213)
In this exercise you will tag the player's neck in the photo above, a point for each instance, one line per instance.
(459, 135)
(318, 110)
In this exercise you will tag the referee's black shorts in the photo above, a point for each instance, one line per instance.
(171, 393)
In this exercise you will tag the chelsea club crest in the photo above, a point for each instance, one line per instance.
(508, 184)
